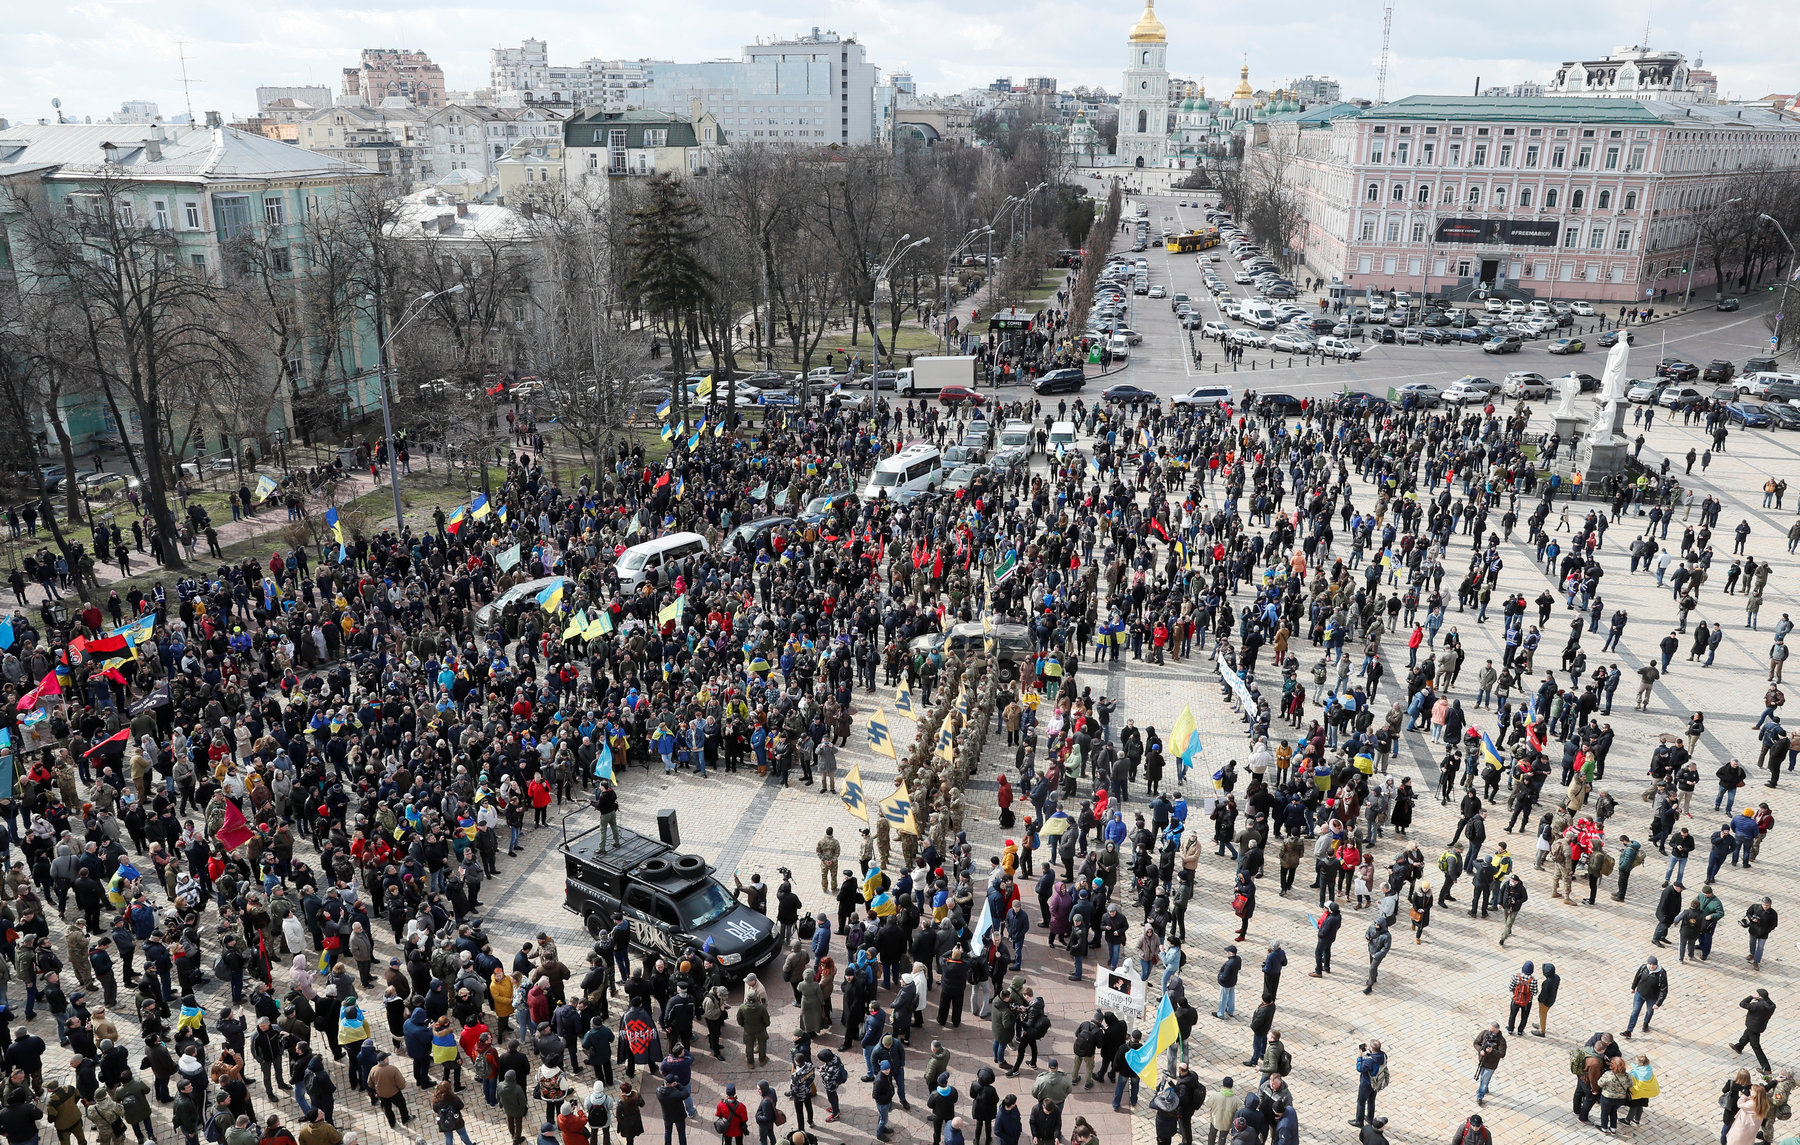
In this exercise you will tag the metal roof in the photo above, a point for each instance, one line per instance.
(1547, 109)
(187, 153)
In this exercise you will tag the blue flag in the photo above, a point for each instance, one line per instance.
(603, 767)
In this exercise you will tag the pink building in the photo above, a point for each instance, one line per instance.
(1585, 198)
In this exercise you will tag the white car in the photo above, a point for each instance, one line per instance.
(1214, 330)
(1244, 278)
(1341, 348)
(1159, 292)
(1465, 391)
(1131, 336)
(1292, 343)
(1496, 306)
(1673, 396)
(1525, 384)
(1247, 338)
(1643, 392)
(1582, 309)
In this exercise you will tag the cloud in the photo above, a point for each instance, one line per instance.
(95, 55)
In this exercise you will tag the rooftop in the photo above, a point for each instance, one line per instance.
(147, 151)
(1546, 109)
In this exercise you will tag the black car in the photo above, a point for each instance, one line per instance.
(1718, 370)
(1610, 338)
(1439, 337)
(1677, 370)
(1435, 318)
(1065, 381)
(1126, 393)
(1356, 404)
(1782, 414)
(1761, 366)
(1277, 403)
(1384, 334)
(1589, 383)
(1727, 304)
(670, 901)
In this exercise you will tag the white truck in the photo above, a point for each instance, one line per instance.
(930, 375)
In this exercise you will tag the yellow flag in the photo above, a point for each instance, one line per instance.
(597, 627)
(672, 610)
(854, 801)
(577, 624)
(945, 751)
(705, 387)
(880, 740)
(903, 700)
(898, 810)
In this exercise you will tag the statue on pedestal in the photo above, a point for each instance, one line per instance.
(1568, 389)
(1612, 393)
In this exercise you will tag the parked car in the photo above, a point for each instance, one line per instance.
(1125, 392)
(1677, 370)
(1610, 338)
(1583, 309)
(1567, 346)
(1462, 393)
(1525, 384)
(1158, 292)
(961, 395)
(1726, 304)
(1277, 403)
(1644, 392)
(1293, 343)
(1746, 415)
(1718, 370)
(1064, 381)
(1504, 344)
(1424, 395)
(1782, 414)
(1674, 396)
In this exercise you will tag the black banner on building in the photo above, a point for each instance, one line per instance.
(1508, 232)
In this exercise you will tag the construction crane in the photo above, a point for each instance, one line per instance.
(1387, 32)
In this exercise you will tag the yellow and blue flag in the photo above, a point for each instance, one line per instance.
(672, 611)
(662, 410)
(192, 1018)
(480, 508)
(551, 598)
(265, 485)
(1490, 755)
(501, 513)
(668, 432)
(1146, 1060)
(903, 700)
(456, 519)
(603, 767)
(898, 810)
(331, 522)
(1184, 737)
(881, 741)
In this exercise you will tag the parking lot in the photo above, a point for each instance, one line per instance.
(1164, 362)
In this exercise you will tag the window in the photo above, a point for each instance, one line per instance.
(1415, 266)
(1375, 155)
(1623, 240)
(1631, 200)
(1399, 192)
(159, 214)
(1424, 193)
(1524, 196)
(656, 137)
(1143, 121)
(1428, 153)
(1400, 151)
(1418, 236)
(1572, 236)
(1550, 197)
(190, 215)
(274, 212)
(1374, 192)
(1506, 154)
(1449, 194)
(1387, 266)
(1499, 197)
(198, 262)
(1605, 200)
(1577, 199)
(1456, 155)
(1531, 155)
(1637, 159)
(1363, 264)
(1557, 155)
(1474, 196)
(281, 260)
(1584, 158)
(1597, 237)
(1612, 158)
(1393, 232)
(127, 213)
(233, 214)
(1368, 230)
(1480, 155)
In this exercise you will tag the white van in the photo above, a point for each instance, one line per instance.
(1758, 384)
(917, 467)
(1062, 433)
(1119, 346)
(640, 560)
(1262, 316)
(1015, 433)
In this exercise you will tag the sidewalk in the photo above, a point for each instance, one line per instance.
(269, 518)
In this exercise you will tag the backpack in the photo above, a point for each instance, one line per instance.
(1606, 864)
(1166, 1100)
(1284, 1061)
(808, 925)
(1381, 1078)
(1522, 993)
(836, 1074)
(1578, 1061)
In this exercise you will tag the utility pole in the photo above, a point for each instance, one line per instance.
(1387, 32)
(187, 92)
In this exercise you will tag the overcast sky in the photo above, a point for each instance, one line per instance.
(93, 54)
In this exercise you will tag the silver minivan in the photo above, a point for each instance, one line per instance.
(639, 561)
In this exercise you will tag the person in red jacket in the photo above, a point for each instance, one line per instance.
(539, 791)
(733, 1116)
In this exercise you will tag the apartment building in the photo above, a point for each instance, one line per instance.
(387, 73)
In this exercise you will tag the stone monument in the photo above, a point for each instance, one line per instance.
(1605, 451)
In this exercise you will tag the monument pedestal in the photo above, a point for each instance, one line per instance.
(1568, 429)
(1602, 459)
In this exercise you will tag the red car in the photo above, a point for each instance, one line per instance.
(955, 395)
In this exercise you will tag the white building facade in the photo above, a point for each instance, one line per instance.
(1144, 100)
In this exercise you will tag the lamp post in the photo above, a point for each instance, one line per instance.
(1793, 269)
(1688, 295)
(895, 254)
(407, 317)
(950, 268)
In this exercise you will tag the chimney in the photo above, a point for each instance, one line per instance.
(462, 210)
(526, 209)
(446, 223)
(431, 200)
(213, 119)
(153, 150)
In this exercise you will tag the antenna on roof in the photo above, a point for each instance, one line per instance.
(1387, 32)
(186, 90)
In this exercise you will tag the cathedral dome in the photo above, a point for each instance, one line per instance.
(1243, 90)
(1148, 29)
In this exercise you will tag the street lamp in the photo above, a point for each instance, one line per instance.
(968, 241)
(1793, 269)
(895, 254)
(1688, 296)
(414, 309)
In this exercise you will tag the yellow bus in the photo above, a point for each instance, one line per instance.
(1192, 241)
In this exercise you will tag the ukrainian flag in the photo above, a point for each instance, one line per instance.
(551, 598)
(501, 512)
(1146, 1060)
(662, 410)
(1489, 755)
(456, 519)
(480, 509)
(331, 522)
(1184, 737)
(668, 432)
(192, 1018)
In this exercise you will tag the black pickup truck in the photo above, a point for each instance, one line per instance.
(670, 900)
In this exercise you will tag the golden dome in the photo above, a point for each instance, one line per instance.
(1243, 88)
(1148, 29)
